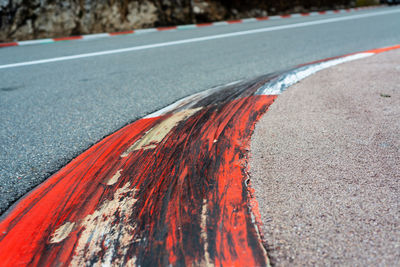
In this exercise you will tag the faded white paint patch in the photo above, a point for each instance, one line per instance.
(115, 178)
(108, 230)
(203, 234)
(62, 232)
(131, 262)
(280, 84)
(156, 134)
(190, 101)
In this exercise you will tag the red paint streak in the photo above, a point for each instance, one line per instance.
(202, 159)
(204, 24)
(234, 21)
(375, 51)
(286, 16)
(322, 12)
(385, 49)
(121, 33)
(67, 38)
(348, 10)
(336, 11)
(324, 60)
(305, 14)
(255, 208)
(8, 44)
(262, 18)
(72, 193)
(166, 28)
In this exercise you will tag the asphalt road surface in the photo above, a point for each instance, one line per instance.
(52, 110)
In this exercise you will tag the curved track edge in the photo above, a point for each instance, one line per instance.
(169, 189)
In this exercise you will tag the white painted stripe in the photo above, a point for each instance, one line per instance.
(186, 27)
(94, 36)
(200, 39)
(189, 101)
(249, 20)
(296, 15)
(219, 23)
(141, 31)
(40, 41)
(281, 83)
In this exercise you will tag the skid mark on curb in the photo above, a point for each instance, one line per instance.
(163, 190)
(169, 189)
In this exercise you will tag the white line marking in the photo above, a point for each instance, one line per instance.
(141, 31)
(96, 35)
(249, 20)
(40, 41)
(280, 84)
(199, 39)
(274, 17)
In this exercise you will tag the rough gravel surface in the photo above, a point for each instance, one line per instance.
(326, 167)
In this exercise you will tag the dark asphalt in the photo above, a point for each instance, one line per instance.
(52, 112)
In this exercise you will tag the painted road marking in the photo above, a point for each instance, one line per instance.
(277, 86)
(198, 39)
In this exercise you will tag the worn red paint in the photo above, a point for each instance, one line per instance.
(8, 44)
(262, 18)
(68, 38)
(166, 28)
(384, 49)
(305, 14)
(204, 24)
(121, 33)
(188, 197)
(234, 21)
(286, 16)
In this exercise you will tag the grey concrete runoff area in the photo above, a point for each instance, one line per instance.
(50, 113)
(325, 165)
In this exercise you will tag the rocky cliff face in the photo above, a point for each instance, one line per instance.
(27, 19)
(32, 19)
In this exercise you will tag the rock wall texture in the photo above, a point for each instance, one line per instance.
(32, 19)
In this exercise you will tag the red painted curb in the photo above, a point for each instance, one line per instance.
(234, 21)
(166, 190)
(262, 18)
(122, 33)
(67, 38)
(384, 49)
(8, 44)
(182, 201)
(204, 24)
(166, 28)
